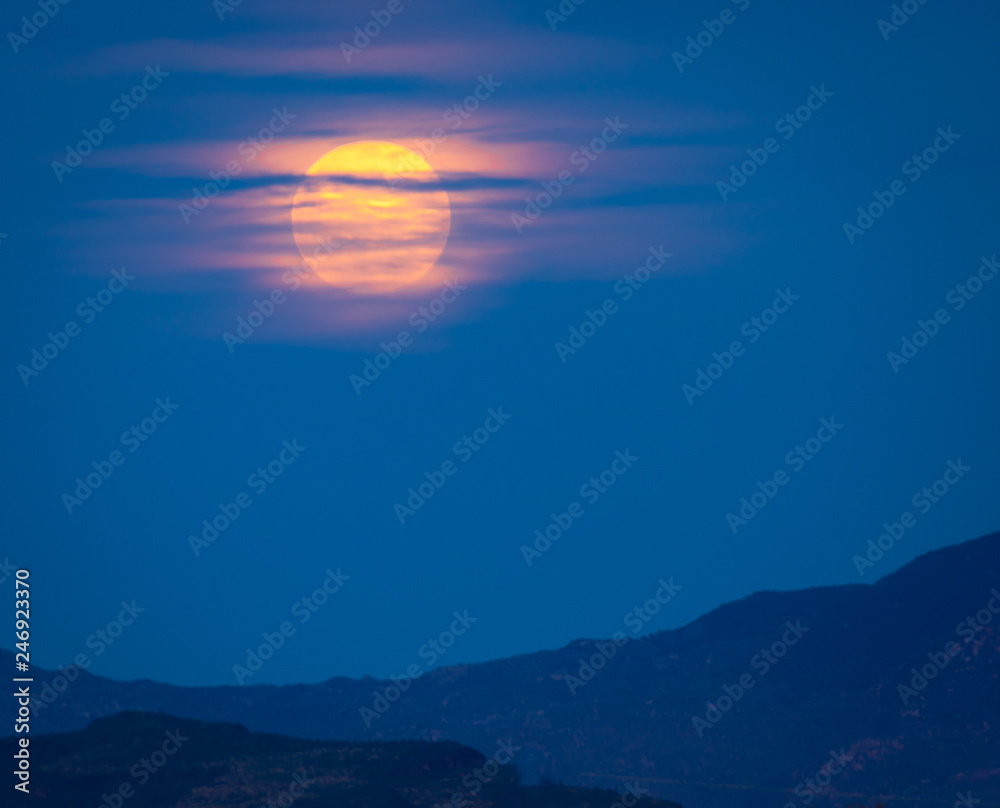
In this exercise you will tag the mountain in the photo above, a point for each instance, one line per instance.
(836, 686)
(148, 760)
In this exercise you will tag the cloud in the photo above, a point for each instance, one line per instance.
(499, 113)
(440, 57)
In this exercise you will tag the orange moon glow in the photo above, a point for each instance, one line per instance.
(358, 229)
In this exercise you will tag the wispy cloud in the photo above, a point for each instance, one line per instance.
(497, 156)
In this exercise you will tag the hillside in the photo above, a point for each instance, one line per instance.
(837, 687)
(149, 760)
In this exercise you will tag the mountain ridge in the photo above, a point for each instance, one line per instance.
(835, 687)
(5, 652)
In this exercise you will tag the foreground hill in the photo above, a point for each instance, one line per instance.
(837, 687)
(148, 760)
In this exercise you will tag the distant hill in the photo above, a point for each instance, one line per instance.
(835, 688)
(148, 760)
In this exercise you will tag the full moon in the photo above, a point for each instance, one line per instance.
(371, 216)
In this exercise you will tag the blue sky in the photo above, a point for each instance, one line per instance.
(780, 236)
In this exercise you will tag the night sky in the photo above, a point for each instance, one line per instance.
(657, 297)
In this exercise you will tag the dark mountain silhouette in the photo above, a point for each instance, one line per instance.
(149, 760)
(835, 689)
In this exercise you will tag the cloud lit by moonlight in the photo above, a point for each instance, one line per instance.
(371, 217)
